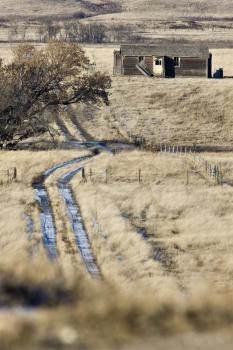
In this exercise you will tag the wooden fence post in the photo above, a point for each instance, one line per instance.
(90, 174)
(83, 174)
(106, 175)
(210, 171)
(139, 176)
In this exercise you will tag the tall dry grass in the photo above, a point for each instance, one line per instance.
(187, 225)
(139, 300)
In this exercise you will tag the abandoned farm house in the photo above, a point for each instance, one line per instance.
(163, 61)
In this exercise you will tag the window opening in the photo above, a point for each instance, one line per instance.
(158, 62)
(176, 61)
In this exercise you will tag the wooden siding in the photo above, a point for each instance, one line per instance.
(148, 60)
(129, 65)
(192, 67)
(117, 67)
(130, 62)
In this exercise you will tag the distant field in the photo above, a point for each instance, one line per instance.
(137, 8)
(183, 21)
(35, 9)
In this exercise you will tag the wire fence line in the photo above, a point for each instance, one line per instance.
(211, 172)
(107, 175)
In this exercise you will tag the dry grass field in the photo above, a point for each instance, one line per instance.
(164, 249)
(160, 233)
(191, 111)
(187, 242)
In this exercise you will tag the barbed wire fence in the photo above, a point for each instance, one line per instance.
(211, 172)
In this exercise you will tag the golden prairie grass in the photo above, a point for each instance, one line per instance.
(191, 111)
(187, 225)
(139, 297)
(180, 111)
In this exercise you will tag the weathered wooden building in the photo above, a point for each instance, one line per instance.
(163, 61)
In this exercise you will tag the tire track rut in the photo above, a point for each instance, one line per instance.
(48, 228)
(81, 237)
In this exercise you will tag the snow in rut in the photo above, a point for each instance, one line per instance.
(81, 236)
(46, 216)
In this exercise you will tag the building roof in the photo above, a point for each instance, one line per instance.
(162, 50)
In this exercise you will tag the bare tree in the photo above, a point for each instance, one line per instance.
(52, 30)
(12, 32)
(23, 30)
(85, 33)
(38, 81)
(42, 32)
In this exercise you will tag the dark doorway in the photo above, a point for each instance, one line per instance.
(210, 66)
(169, 67)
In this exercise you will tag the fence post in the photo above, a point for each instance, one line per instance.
(83, 173)
(139, 176)
(210, 171)
(106, 175)
(187, 177)
(215, 174)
